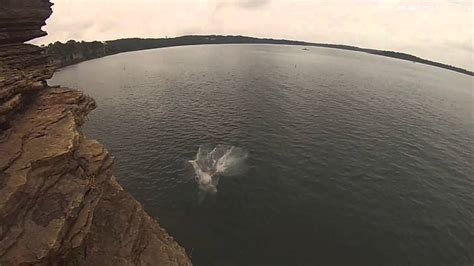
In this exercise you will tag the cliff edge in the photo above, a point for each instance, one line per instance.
(59, 200)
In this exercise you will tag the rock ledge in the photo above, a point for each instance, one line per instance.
(59, 200)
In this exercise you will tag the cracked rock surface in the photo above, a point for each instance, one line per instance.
(59, 200)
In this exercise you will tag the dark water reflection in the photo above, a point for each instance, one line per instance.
(353, 158)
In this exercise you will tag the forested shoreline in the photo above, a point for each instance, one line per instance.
(73, 52)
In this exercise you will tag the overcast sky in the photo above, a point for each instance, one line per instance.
(439, 30)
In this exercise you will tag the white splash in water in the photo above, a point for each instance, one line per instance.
(212, 163)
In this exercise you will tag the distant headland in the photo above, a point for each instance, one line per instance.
(73, 52)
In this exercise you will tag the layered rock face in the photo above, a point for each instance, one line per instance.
(21, 20)
(59, 200)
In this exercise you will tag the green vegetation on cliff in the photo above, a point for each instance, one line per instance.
(73, 52)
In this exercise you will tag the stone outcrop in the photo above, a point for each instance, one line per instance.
(59, 200)
(23, 71)
(21, 20)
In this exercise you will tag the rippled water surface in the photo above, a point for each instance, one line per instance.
(352, 158)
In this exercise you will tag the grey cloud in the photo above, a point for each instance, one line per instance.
(464, 46)
(458, 2)
(245, 4)
(252, 4)
(439, 30)
(105, 27)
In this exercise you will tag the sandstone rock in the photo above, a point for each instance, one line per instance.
(58, 196)
(122, 233)
(21, 20)
(23, 70)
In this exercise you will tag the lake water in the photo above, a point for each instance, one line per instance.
(353, 159)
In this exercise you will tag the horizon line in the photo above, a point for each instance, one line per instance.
(295, 42)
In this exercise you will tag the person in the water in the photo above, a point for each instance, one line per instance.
(207, 178)
(208, 181)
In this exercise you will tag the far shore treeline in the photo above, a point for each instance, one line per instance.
(73, 52)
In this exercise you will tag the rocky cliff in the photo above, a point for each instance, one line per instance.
(59, 200)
